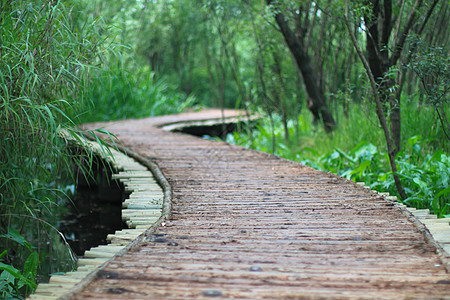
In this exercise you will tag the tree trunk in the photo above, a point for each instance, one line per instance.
(317, 105)
(379, 109)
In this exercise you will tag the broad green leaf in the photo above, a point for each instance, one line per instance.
(31, 265)
(10, 269)
(420, 183)
(365, 151)
(14, 235)
(334, 155)
(361, 168)
(345, 155)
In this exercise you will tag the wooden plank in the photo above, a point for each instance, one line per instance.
(437, 221)
(142, 221)
(140, 206)
(146, 203)
(140, 214)
(91, 261)
(108, 248)
(42, 297)
(126, 232)
(147, 193)
(61, 279)
(98, 254)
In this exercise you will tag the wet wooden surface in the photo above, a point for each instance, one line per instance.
(249, 225)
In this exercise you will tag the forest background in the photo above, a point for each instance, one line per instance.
(359, 89)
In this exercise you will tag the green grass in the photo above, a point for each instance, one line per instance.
(123, 92)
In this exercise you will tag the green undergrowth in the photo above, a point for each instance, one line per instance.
(120, 92)
(356, 151)
(12, 280)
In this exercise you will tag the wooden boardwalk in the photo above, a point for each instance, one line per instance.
(249, 225)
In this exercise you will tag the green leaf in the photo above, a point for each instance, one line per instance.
(22, 280)
(334, 155)
(443, 192)
(422, 185)
(14, 235)
(364, 150)
(10, 269)
(345, 155)
(5, 287)
(31, 265)
(361, 168)
(7, 282)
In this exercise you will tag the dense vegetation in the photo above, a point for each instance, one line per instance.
(359, 89)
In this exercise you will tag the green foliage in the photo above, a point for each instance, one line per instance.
(120, 93)
(43, 63)
(13, 282)
(431, 64)
(44, 48)
(424, 177)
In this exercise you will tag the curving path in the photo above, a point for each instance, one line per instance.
(249, 225)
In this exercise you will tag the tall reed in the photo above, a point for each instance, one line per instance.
(45, 49)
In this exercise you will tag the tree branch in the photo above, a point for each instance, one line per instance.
(412, 49)
(398, 18)
(402, 38)
(427, 16)
(308, 41)
(372, 41)
(305, 26)
(318, 105)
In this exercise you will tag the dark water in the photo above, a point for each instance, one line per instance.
(95, 210)
(217, 130)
